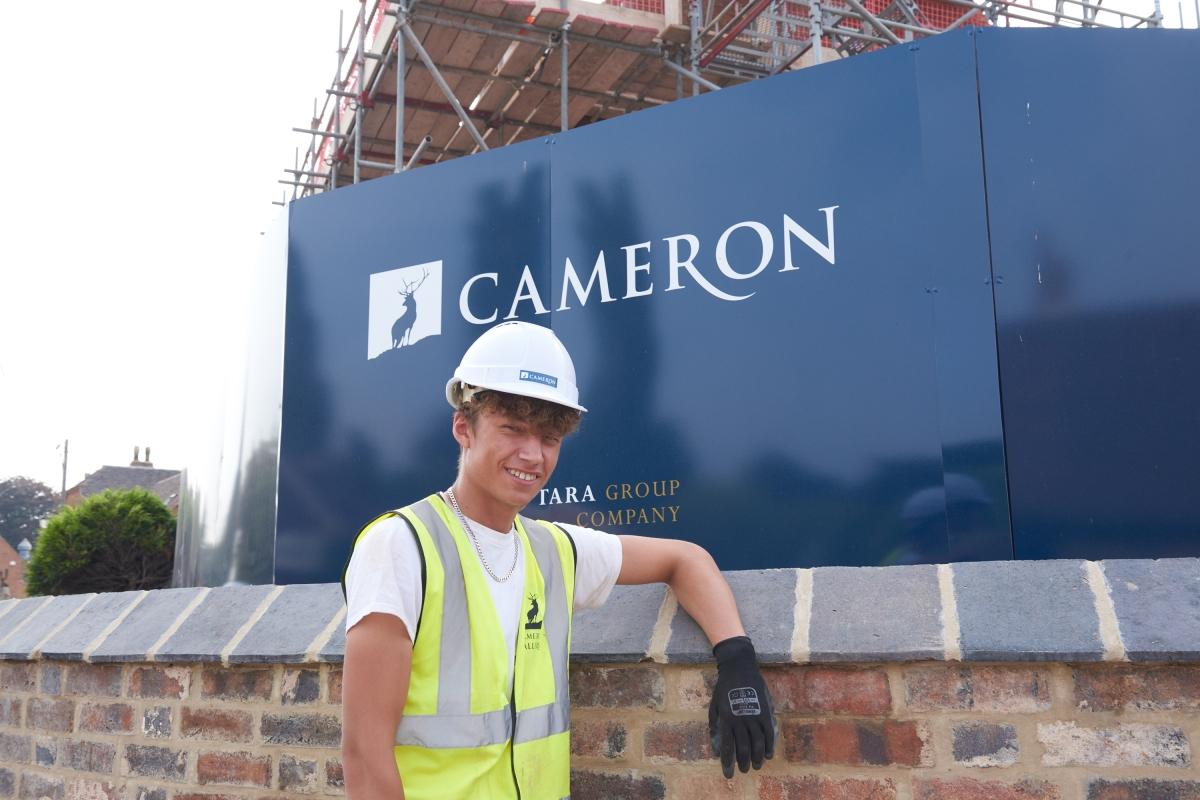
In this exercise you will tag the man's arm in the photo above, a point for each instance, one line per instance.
(374, 687)
(692, 575)
(740, 717)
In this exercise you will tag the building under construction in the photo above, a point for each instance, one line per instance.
(479, 74)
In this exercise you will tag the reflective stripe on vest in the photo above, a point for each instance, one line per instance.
(457, 737)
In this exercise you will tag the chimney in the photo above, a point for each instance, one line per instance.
(137, 458)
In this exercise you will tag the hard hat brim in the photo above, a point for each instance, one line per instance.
(520, 388)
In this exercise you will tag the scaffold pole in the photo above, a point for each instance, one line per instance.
(418, 152)
(562, 83)
(406, 28)
(400, 65)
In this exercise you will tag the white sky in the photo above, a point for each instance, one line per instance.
(142, 142)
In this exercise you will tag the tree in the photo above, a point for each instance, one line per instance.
(24, 503)
(115, 541)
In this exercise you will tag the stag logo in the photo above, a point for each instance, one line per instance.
(532, 623)
(405, 307)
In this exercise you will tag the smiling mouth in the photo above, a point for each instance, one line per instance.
(527, 477)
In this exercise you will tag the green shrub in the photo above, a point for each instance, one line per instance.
(113, 542)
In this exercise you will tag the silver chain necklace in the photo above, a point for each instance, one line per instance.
(475, 541)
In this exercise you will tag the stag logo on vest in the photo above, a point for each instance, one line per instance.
(405, 307)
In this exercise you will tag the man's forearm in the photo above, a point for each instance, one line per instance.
(372, 777)
(703, 592)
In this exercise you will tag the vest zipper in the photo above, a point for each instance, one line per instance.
(512, 748)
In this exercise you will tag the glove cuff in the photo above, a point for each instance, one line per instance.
(735, 648)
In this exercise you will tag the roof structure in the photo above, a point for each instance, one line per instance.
(478, 74)
(109, 477)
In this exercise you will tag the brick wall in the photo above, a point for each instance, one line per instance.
(1055, 680)
(925, 731)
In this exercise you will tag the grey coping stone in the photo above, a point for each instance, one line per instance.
(1026, 611)
(876, 614)
(334, 651)
(19, 612)
(22, 643)
(69, 643)
(213, 624)
(138, 632)
(766, 599)
(620, 630)
(288, 628)
(1010, 611)
(1158, 607)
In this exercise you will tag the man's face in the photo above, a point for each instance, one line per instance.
(505, 459)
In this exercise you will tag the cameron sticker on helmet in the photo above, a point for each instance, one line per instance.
(539, 377)
(404, 307)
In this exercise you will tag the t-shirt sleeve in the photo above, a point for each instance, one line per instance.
(385, 574)
(599, 564)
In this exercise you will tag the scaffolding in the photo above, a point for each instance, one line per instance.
(421, 81)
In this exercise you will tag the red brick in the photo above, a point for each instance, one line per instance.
(1001, 689)
(855, 743)
(1143, 789)
(159, 682)
(236, 769)
(10, 711)
(86, 789)
(616, 687)
(94, 679)
(14, 749)
(300, 686)
(106, 718)
(215, 723)
(707, 787)
(695, 689)
(598, 738)
(17, 677)
(823, 690)
(87, 756)
(334, 776)
(40, 786)
(589, 784)
(678, 741)
(904, 744)
(236, 684)
(1131, 688)
(970, 789)
(297, 775)
(334, 686)
(50, 715)
(813, 787)
(156, 762)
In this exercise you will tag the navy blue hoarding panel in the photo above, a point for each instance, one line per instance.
(803, 414)
(781, 322)
(1091, 164)
(373, 332)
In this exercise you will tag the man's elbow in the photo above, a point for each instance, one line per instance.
(691, 558)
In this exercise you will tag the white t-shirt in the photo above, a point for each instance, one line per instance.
(385, 573)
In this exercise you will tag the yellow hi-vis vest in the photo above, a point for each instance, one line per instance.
(462, 734)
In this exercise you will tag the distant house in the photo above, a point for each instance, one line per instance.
(139, 474)
(12, 572)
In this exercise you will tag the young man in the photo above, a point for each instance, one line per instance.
(459, 609)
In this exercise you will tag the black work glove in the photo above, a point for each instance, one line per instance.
(740, 718)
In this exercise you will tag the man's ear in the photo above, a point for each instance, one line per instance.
(460, 427)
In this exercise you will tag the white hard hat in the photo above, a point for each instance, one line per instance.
(518, 358)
